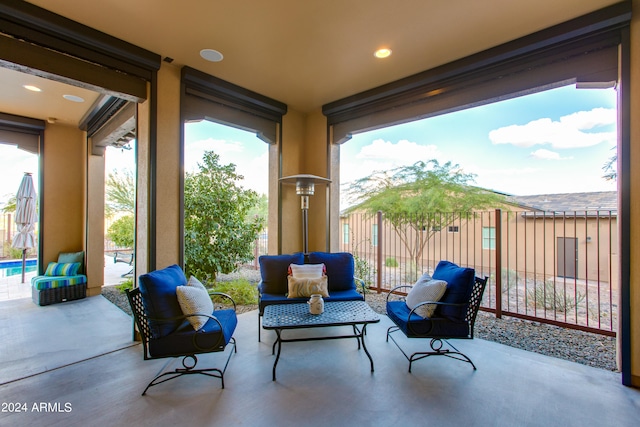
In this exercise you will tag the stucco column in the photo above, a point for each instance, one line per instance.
(95, 228)
(168, 172)
(64, 179)
(634, 88)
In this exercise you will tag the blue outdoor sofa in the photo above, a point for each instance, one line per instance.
(273, 286)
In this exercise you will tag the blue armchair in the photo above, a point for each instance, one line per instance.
(168, 331)
(453, 315)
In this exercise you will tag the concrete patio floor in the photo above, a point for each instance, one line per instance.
(78, 359)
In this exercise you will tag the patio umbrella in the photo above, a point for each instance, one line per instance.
(25, 218)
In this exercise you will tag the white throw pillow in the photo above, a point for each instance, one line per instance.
(426, 290)
(196, 283)
(307, 271)
(192, 300)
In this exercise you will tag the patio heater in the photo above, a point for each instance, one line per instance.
(305, 187)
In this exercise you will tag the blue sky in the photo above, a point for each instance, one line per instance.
(555, 141)
(244, 149)
(550, 142)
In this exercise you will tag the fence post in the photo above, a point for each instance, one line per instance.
(379, 253)
(498, 263)
(256, 251)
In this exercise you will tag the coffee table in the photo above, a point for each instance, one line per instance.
(279, 317)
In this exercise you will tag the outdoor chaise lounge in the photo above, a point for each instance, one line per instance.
(63, 280)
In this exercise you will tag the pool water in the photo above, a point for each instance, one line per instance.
(14, 268)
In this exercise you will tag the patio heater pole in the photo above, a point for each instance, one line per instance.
(305, 187)
(304, 201)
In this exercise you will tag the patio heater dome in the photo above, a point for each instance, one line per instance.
(305, 187)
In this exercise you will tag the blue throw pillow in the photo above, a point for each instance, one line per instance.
(274, 270)
(160, 300)
(340, 269)
(460, 282)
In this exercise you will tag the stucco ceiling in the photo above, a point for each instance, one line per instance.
(304, 53)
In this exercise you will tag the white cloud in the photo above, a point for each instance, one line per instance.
(225, 149)
(590, 119)
(15, 163)
(220, 146)
(402, 152)
(568, 132)
(511, 171)
(385, 155)
(256, 173)
(250, 162)
(543, 154)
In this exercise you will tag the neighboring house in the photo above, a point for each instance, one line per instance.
(571, 236)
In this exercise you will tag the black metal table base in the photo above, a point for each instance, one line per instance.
(337, 313)
(358, 335)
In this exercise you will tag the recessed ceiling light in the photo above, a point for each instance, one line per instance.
(73, 98)
(382, 53)
(211, 55)
(32, 88)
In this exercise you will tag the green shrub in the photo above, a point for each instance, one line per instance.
(121, 231)
(510, 279)
(125, 286)
(15, 253)
(364, 270)
(242, 292)
(411, 273)
(553, 297)
(391, 262)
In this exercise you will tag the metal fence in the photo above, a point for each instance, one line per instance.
(558, 268)
(260, 247)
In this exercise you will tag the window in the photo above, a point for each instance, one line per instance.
(374, 234)
(345, 234)
(453, 229)
(489, 238)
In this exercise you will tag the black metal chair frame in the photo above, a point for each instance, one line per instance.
(126, 258)
(436, 342)
(189, 360)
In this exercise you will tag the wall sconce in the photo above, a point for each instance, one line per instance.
(305, 187)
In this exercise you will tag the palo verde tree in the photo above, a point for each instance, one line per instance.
(218, 225)
(420, 199)
(120, 200)
(120, 192)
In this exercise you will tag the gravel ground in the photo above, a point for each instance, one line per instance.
(582, 347)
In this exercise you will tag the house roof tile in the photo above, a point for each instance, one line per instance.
(563, 202)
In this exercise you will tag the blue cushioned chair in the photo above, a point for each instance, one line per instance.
(166, 332)
(453, 318)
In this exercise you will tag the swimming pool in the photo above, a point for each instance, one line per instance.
(14, 267)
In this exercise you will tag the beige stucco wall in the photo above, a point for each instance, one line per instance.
(168, 167)
(293, 134)
(142, 187)
(95, 229)
(304, 151)
(315, 162)
(64, 187)
(635, 194)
